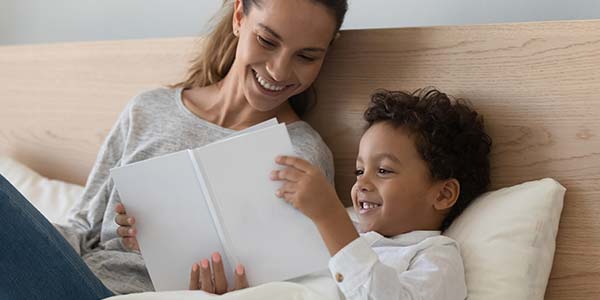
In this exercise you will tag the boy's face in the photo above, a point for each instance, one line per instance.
(394, 192)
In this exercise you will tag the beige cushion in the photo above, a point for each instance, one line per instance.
(507, 240)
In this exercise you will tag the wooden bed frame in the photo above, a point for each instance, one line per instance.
(537, 84)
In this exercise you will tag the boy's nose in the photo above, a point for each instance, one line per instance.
(363, 185)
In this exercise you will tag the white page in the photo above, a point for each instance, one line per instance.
(175, 227)
(273, 240)
(266, 124)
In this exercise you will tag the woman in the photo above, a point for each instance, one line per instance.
(256, 64)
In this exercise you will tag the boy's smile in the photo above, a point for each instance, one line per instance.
(367, 205)
(394, 192)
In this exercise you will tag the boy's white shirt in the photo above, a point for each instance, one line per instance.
(414, 265)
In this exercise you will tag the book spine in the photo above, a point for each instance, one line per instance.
(214, 212)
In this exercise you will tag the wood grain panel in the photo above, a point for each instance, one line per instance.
(536, 84)
(60, 100)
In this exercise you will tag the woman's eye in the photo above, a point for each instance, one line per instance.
(358, 172)
(264, 42)
(307, 58)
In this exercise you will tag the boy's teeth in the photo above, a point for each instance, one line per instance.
(366, 205)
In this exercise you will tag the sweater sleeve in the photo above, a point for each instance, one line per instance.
(84, 223)
(309, 145)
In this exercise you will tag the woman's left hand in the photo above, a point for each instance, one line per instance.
(306, 188)
(213, 281)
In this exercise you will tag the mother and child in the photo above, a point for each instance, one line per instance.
(422, 159)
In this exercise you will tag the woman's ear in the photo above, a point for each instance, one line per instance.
(238, 15)
(448, 192)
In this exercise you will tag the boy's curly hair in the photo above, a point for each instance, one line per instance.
(448, 134)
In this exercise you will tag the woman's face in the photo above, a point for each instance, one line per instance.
(280, 50)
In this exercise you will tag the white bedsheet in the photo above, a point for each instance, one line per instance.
(313, 287)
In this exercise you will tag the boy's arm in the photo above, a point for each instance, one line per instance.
(432, 273)
(336, 230)
(308, 190)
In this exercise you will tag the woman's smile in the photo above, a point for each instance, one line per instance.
(268, 87)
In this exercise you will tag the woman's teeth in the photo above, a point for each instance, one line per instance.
(266, 85)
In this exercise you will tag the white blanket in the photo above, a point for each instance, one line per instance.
(312, 287)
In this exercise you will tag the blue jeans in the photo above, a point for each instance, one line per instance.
(36, 262)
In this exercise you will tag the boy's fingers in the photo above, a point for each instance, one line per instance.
(206, 283)
(240, 278)
(219, 274)
(289, 174)
(287, 188)
(295, 162)
(195, 277)
(289, 198)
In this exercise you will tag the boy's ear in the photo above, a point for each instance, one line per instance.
(448, 192)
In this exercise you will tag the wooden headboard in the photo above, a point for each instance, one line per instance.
(538, 85)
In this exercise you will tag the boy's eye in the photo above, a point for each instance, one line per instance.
(264, 42)
(383, 171)
(358, 172)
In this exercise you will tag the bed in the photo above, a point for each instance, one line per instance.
(536, 83)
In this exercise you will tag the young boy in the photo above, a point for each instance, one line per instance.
(422, 159)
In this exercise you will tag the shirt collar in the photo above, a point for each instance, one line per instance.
(405, 239)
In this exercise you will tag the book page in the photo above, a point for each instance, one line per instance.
(175, 227)
(273, 240)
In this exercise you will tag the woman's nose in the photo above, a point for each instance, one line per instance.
(279, 68)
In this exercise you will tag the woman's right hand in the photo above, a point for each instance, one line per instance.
(126, 229)
(213, 280)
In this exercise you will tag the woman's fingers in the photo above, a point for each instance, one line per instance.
(240, 278)
(219, 274)
(126, 231)
(215, 282)
(195, 277)
(206, 283)
(124, 220)
(120, 208)
(131, 242)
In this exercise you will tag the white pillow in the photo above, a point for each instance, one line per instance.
(52, 198)
(507, 240)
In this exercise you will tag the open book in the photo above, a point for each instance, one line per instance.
(219, 197)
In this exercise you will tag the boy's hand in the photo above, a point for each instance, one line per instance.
(306, 188)
(126, 229)
(215, 282)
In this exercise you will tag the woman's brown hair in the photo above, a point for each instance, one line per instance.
(218, 50)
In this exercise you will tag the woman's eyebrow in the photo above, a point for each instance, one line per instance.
(277, 36)
(271, 31)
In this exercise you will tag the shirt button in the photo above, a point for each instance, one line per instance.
(339, 277)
